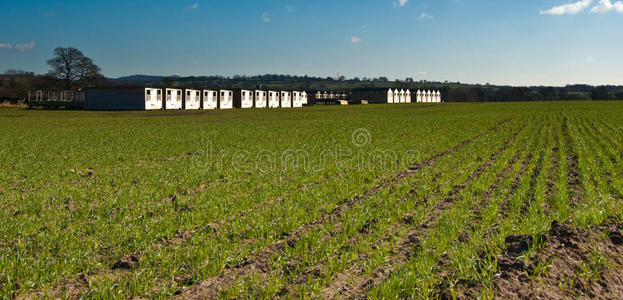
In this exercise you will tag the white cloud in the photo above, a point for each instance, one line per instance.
(194, 6)
(6, 46)
(589, 59)
(266, 17)
(422, 73)
(25, 47)
(568, 9)
(424, 16)
(290, 8)
(605, 6)
(400, 3)
(355, 40)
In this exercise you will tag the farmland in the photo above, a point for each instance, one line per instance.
(378, 201)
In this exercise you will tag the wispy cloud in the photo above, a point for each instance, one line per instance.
(25, 47)
(355, 40)
(6, 46)
(400, 3)
(424, 16)
(605, 6)
(422, 73)
(589, 59)
(568, 9)
(290, 8)
(266, 17)
(194, 6)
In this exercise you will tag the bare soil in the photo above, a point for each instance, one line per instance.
(569, 254)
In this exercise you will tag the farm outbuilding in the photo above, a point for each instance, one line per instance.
(286, 99)
(403, 96)
(123, 98)
(304, 98)
(297, 99)
(408, 96)
(192, 99)
(273, 99)
(243, 98)
(372, 95)
(174, 99)
(429, 96)
(418, 96)
(225, 99)
(210, 99)
(396, 96)
(260, 99)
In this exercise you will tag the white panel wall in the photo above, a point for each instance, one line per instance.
(286, 99)
(260, 99)
(173, 99)
(246, 99)
(153, 99)
(390, 96)
(193, 99)
(226, 100)
(273, 99)
(297, 99)
(210, 99)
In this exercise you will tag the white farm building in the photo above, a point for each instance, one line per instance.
(210, 99)
(261, 99)
(173, 99)
(192, 99)
(226, 99)
(273, 99)
(286, 99)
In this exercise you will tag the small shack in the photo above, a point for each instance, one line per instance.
(297, 99)
(192, 99)
(173, 99)
(243, 98)
(408, 96)
(273, 99)
(225, 99)
(286, 99)
(260, 99)
(210, 99)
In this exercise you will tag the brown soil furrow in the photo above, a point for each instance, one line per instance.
(344, 287)
(260, 263)
(572, 272)
(573, 171)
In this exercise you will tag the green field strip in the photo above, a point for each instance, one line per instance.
(438, 238)
(337, 209)
(613, 152)
(474, 260)
(597, 195)
(359, 228)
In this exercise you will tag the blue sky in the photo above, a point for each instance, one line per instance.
(518, 42)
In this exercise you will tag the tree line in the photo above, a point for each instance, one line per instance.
(70, 69)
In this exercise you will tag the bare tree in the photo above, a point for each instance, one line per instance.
(73, 68)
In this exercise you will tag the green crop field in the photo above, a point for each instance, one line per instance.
(380, 201)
